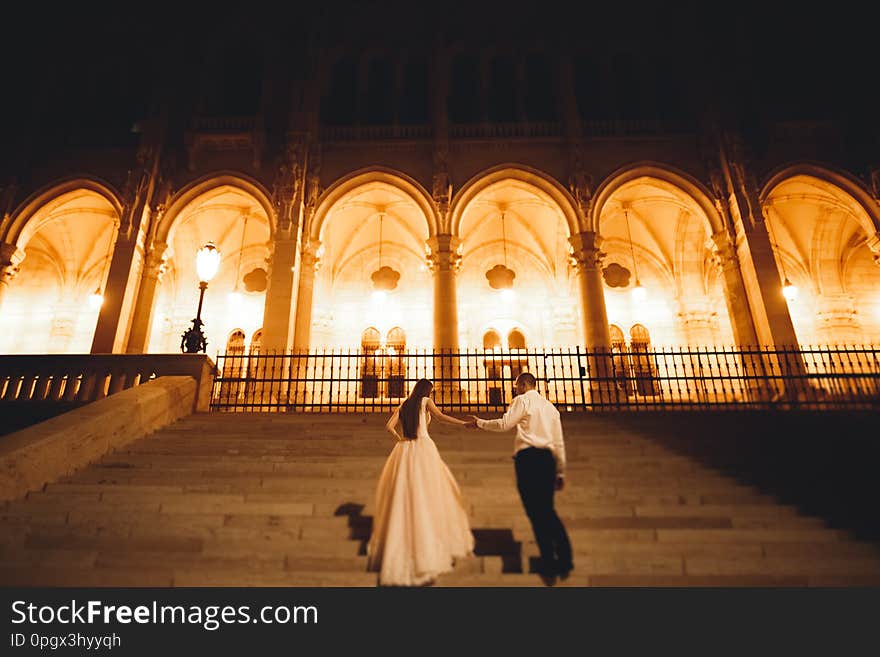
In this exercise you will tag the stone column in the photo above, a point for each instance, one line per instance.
(764, 288)
(119, 295)
(308, 266)
(10, 262)
(735, 296)
(587, 262)
(445, 262)
(594, 316)
(278, 314)
(142, 321)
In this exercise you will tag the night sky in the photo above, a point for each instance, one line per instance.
(78, 78)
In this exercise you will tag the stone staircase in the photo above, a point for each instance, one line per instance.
(287, 500)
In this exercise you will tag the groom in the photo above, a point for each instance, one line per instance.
(540, 469)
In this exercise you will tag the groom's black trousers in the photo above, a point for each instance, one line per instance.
(536, 481)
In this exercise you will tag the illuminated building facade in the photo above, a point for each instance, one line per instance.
(435, 190)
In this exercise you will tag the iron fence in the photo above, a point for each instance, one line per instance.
(572, 378)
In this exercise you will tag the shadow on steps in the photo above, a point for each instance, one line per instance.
(488, 542)
(823, 462)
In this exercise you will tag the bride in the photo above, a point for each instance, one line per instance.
(420, 524)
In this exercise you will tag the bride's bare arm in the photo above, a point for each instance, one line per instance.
(440, 415)
(391, 425)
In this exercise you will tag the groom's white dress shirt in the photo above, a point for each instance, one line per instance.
(537, 425)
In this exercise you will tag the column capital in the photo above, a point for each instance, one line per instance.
(11, 258)
(311, 259)
(587, 254)
(723, 250)
(443, 253)
(873, 243)
(154, 263)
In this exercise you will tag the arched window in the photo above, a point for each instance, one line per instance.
(491, 340)
(233, 367)
(371, 367)
(256, 342)
(371, 339)
(396, 339)
(642, 361)
(639, 337)
(395, 364)
(618, 341)
(516, 340)
(235, 343)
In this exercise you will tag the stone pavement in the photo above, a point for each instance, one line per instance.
(287, 500)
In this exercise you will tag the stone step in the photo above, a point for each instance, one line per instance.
(826, 565)
(84, 577)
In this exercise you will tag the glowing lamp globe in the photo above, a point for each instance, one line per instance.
(96, 299)
(789, 291)
(639, 293)
(379, 296)
(508, 295)
(207, 262)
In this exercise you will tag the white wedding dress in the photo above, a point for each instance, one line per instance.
(421, 524)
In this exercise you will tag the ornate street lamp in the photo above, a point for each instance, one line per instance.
(207, 263)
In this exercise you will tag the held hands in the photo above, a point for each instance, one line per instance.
(472, 422)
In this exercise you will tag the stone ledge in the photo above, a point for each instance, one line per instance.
(47, 451)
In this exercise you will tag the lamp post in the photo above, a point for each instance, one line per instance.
(207, 263)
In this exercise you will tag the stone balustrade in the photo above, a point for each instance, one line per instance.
(79, 379)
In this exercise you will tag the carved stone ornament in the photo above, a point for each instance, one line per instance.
(616, 275)
(256, 280)
(385, 278)
(500, 277)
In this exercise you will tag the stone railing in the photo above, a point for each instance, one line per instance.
(46, 451)
(375, 132)
(225, 124)
(632, 127)
(519, 129)
(79, 379)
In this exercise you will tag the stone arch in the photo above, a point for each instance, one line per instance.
(869, 217)
(21, 228)
(545, 185)
(372, 175)
(206, 184)
(664, 174)
(823, 229)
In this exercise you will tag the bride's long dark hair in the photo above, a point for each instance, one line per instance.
(410, 409)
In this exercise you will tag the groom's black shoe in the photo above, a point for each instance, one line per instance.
(564, 571)
(547, 579)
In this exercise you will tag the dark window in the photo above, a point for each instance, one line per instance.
(502, 89)
(464, 96)
(586, 86)
(338, 105)
(236, 84)
(540, 97)
(414, 100)
(626, 91)
(379, 107)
